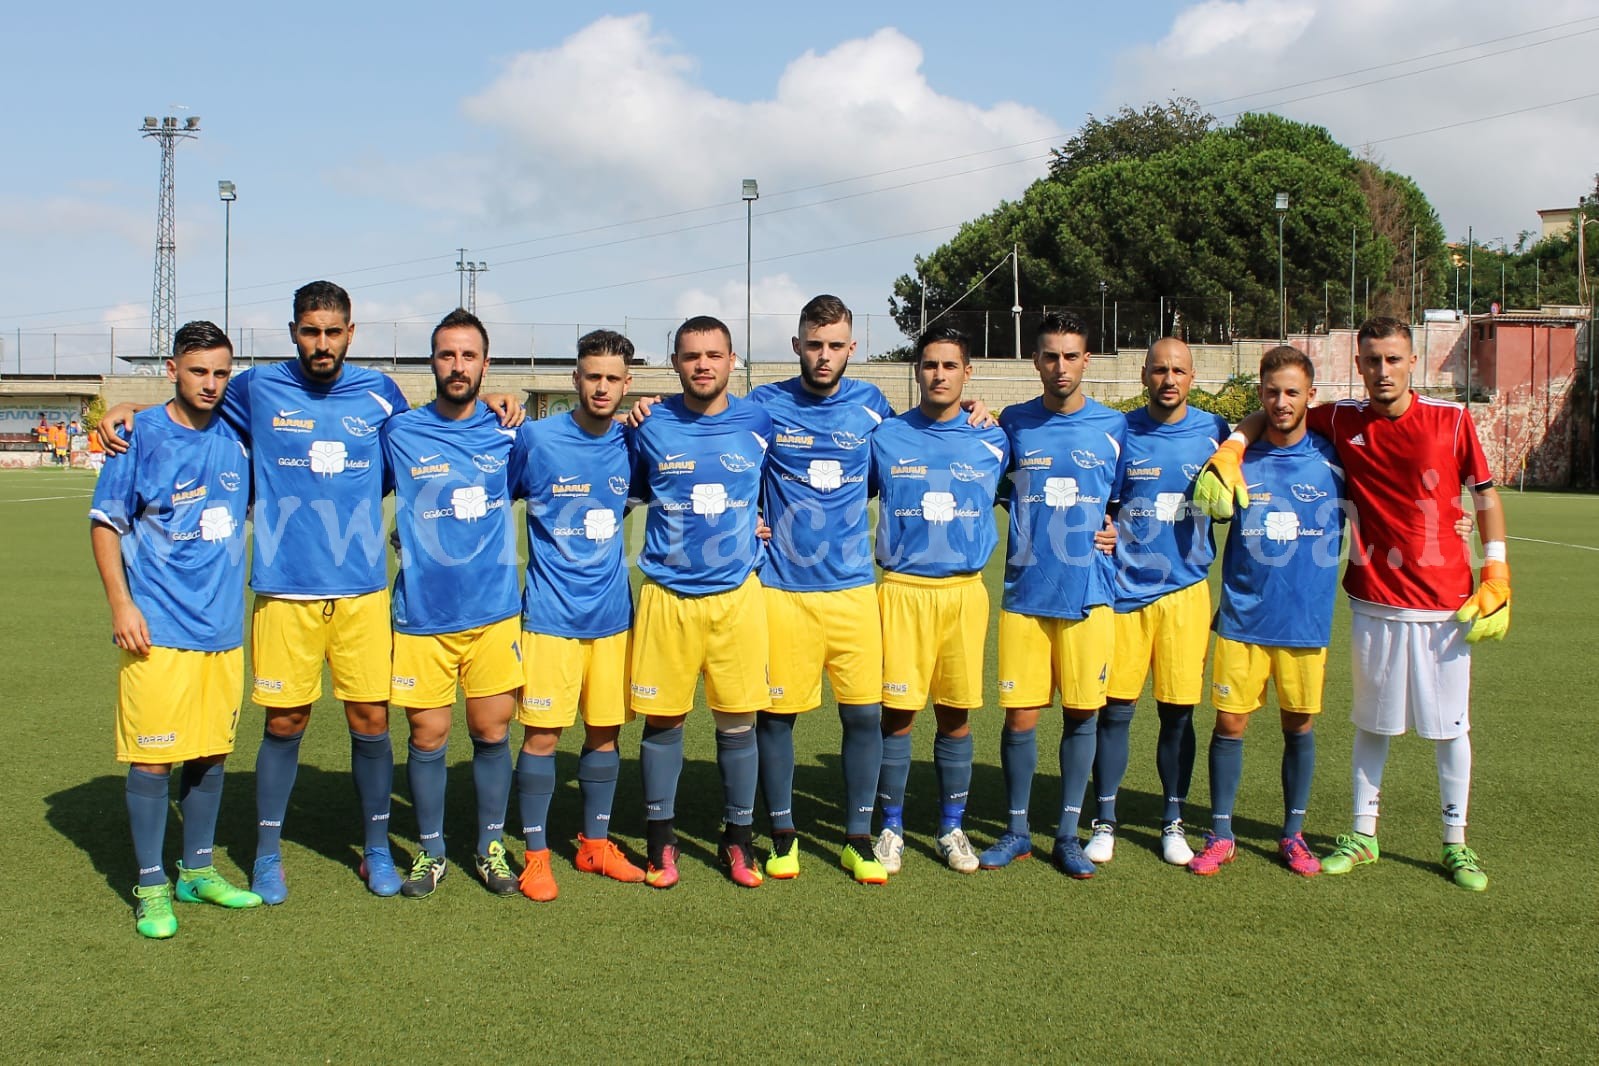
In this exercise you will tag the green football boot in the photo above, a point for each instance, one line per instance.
(1464, 868)
(1351, 850)
(152, 909)
(205, 885)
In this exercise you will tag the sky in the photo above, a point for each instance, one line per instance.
(593, 158)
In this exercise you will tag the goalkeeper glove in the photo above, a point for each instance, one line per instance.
(1221, 483)
(1488, 609)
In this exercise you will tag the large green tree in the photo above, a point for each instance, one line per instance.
(1177, 217)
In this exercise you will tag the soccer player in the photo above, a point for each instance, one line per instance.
(1056, 622)
(1415, 614)
(697, 460)
(1164, 550)
(455, 597)
(317, 566)
(577, 608)
(936, 476)
(1279, 575)
(167, 530)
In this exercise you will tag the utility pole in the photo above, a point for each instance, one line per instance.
(460, 270)
(1016, 294)
(164, 296)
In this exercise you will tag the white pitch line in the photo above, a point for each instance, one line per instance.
(1556, 543)
(40, 499)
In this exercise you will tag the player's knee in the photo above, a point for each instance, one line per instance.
(541, 741)
(728, 722)
(1296, 723)
(1231, 725)
(369, 718)
(1117, 712)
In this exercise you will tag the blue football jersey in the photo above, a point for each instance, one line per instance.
(701, 475)
(1279, 570)
(1063, 475)
(1163, 543)
(576, 486)
(452, 508)
(815, 493)
(318, 477)
(179, 497)
(936, 483)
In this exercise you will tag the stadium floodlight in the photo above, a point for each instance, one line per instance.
(227, 192)
(751, 192)
(150, 122)
(1282, 292)
(192, 122)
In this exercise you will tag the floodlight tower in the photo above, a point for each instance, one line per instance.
(164, 299)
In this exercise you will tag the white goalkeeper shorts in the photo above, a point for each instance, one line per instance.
(1411, 670)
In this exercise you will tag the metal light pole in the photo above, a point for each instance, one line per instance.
(1102, 288)
(227, 192)
(1016, 295)
(751, 193)
(1282, 292)
(167, 132)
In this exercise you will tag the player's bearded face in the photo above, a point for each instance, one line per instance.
(322, 338)
(704, 363)
(1061, 360)
(459, 363)
(1168, 378)
(824, 353)
(1285, 395)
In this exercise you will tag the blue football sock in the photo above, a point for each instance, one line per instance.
(1299, 767)
(147, 817)
(1018, 758)
(861, 755)
(1174, 756)
(1078, 741)
(491, 780)
(597, 772)
(1226, 770)
(775, 746)
(893, 774)
(372, 766)
(952, 762)
(1110, 756)
(660, 765)
(199, 798)
(535, 786)
(739, 761)
(276, 764)
(429, 777)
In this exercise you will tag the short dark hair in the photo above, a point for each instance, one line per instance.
(1059, 322)
(824, 310)
(1283, 356)
(1376, 329)
(457, 318)
(605, 342)
(703, 324)
(199, 336)
(321, 296)
(944, 335)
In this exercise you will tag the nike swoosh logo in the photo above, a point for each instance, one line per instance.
(428, 458)
(569, 477)
(908, 462)
(1139, 462)
(1035, 451)
(286, 414)
(671, 457)
(180, 486)
(1255, 486)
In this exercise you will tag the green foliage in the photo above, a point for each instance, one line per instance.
(1236, 399)
(93, 413)
(1130, 134)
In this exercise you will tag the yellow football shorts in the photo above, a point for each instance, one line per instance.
(561, 675)
(1240, 672)
(290, 639)
(838, 631)
(1172, 634)
(677, 639)
(934, 631)
(484, 661)
(1038, 656)
(176, 705)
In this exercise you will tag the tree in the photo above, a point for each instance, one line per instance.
(1130, 134)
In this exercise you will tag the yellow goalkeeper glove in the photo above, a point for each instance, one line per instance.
(1221, 483)
(1488, 610)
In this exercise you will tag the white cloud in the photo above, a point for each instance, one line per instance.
(1493, 175)
(774, 305)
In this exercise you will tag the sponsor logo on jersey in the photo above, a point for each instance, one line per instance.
(1191, 470)
(570, 486)
(489, 464)
(402, 682)
(648, 692)
(1305, 493)
(618, 485)
(736, 463)
(896, 688)
(825, 475)
(188, 495)
(709, 499)
(538, 703)
(1143, 472)
(229, 480)
(216, 523)
(912, 467)
(269, 684)
(285, 422)
(426, 468)
(1086, 459)
(598, 525)
(1359, 440)
(1033, 461)
(156, 740)
(794, 438)
(965, 472)
(1006, 685)
(358, 427)
(847, 440)
(673, 463)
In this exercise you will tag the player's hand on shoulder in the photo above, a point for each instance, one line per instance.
(978, 414)
(129, 631)
(1220, 488)
(1105, 537)
(508, 407)
(120, 415)
(641, 410)
(762, 530)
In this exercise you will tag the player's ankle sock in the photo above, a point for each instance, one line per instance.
(491, 780)
(1174, 756)
(739, 761)
(372, 766)
(1018, 759)
(1367, 757)
(861, 755)
(861, 844)
(1299, 767)
(1226, 771)
(893, 774)
(775, 752)
(660, 765)
(1078, 739)
(952, 763)
(535, 785)
(276, 765)
(738, 833)
(429, 776)
(1115, 723)
(597, 772)
(147, 817)
(658, 836)
(1454, 785)
(200, 798)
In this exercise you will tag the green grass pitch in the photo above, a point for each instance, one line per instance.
(1143, 962)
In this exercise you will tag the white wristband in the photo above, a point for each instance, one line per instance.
(1494, 551)
(1238, 439)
